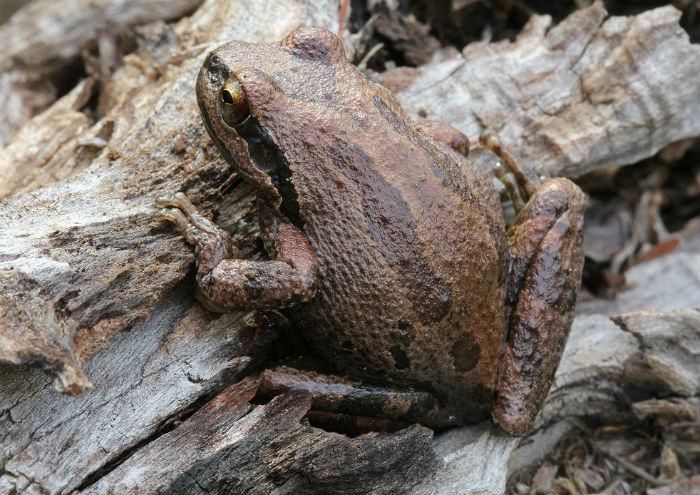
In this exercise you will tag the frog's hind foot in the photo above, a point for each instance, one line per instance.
(520, 181)
(546, 243)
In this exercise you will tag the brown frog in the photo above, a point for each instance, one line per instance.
(388, 248)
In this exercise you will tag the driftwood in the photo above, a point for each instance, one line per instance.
(97, 293)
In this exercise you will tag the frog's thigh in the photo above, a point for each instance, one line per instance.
(346, 405)
(547, 246)
(225, 283)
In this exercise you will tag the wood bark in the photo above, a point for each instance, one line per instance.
(590, 92)
(101, 296)
(44, 37)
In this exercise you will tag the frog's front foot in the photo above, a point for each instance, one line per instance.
(198, 230)
(227, 283)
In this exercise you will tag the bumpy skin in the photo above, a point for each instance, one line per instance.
(409, 238)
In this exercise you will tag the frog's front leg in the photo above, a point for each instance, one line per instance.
(227, 283)
(546, 242)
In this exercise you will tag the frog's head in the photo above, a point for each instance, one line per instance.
(251, 97)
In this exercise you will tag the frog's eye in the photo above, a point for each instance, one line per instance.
(233, 105)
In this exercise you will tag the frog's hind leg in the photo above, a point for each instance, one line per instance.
(227, 283)
(546, 242)
(350, 406)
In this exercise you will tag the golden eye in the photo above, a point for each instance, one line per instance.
(233, 105)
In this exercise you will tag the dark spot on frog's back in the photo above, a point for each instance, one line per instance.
(401, 360)
(466, 352)
(391, 224)
(401, 336)
(404, 324)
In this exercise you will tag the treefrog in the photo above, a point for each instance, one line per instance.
(388, 248)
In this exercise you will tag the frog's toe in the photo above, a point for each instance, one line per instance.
(198, 230)
(174, 200)
(170, 215)
(188, 212)
(179, 202)
(192, 234)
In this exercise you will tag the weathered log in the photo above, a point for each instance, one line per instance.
(590, 92)
(45, 37)
(92, 288)
(230, 441)
(82, 263)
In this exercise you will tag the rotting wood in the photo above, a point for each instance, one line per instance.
(269, 449)
(84, 258)
(590, 92)
(84, 263)
(45, 37)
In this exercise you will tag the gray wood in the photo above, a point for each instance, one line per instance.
(44, 37)
(81, 257)
(590, 92)
(236, 448)
(101, 296)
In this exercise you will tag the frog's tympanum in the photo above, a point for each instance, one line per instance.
(388, 248)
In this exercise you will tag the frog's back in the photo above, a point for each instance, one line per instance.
(412, 249)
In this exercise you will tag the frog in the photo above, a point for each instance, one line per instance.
(388, 249)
